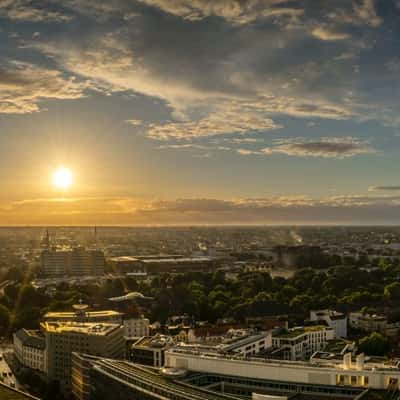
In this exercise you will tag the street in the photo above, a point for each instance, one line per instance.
(6, 375)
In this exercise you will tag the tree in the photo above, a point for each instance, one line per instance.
(4, 319)
(301, 303)
(375, 344)
(392, 291)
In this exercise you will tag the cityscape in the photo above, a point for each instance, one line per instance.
(200, 312)
(199, 200)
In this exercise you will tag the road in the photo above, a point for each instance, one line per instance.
(6, 374)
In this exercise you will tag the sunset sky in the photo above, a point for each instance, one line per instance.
(200, 111)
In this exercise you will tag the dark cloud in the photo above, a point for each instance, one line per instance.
(263, 57)
(385, 188)
(325, 148)
(204, 59)
(33, 11)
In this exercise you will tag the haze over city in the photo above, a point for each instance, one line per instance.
(174, 112)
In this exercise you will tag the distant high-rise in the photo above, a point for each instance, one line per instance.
(73, 262)
(45, 243)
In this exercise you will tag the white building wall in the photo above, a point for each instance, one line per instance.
(254, 347)
(289, 372)
(30, 357)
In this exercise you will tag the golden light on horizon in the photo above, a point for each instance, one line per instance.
(62, 178)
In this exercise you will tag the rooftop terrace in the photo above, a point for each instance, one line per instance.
(76, 327)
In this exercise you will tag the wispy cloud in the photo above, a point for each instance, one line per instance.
(23, 85)
(325, 33)
(228, 118)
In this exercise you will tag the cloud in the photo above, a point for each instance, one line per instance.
(24, 85)
(363, 13)
(354, 209)
(259, 59)
(393, 65)
(298, 209)
(366, 13)
(246, 140)
(328, 34)
(69, 211)
(135, 122)
(26, 10)
(230, 118)
(235, 11)
(325, 148)
(385, 188)
(247, 152)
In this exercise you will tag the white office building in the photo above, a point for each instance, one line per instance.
(30, 349)
(336, 320)
(361, 372)
(301, 342)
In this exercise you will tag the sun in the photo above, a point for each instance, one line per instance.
(62, 178)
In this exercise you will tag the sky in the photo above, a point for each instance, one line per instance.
(172, 112)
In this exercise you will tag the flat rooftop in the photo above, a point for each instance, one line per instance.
(180, 260)
(371, 364)
(292, 333)
(154, 342)
(200, 386)
(72, 314)
(124, 259)
(97, 329)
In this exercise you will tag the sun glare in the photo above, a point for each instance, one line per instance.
(62, 178)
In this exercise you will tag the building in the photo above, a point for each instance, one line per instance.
(133, 327)
(239, 342)
(30, 349)
(123, 265)
(9, 393)
(136, 327)
(72, 262)
(267, 323)
(326, 372)
(368, 322)
(63, 338)
(301, 342)
(210, 333)
(245, 342)
(336, 320)
(178, 264)
(150, 350)
(96, 378)
(127, 301)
